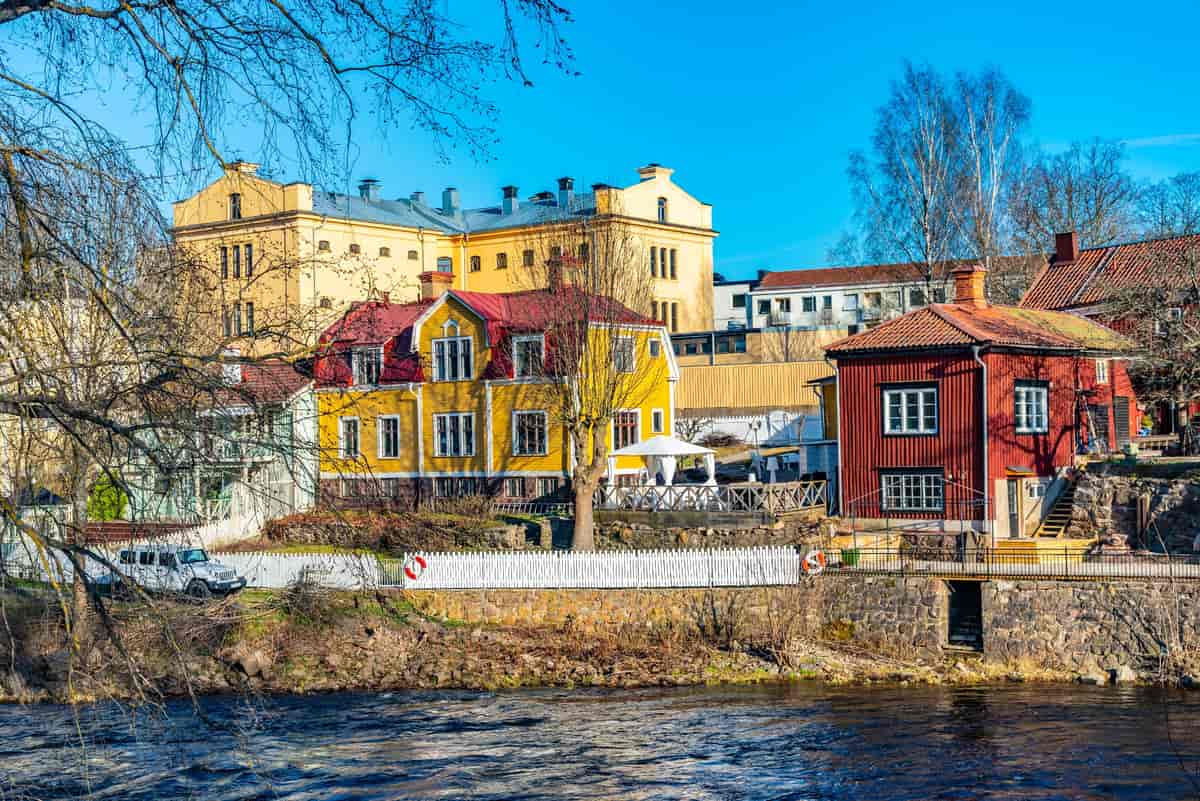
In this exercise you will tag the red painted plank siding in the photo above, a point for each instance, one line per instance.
(866, 450)
(1043, 453)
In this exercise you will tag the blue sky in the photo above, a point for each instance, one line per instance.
(757, 110)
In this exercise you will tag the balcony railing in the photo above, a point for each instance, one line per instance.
(778, 317)
(792, 496)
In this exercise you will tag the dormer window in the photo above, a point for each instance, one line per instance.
(452, 357)
(368, 365)
(529, 356)
(235, 206)
(662, 209)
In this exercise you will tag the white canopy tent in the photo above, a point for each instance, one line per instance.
(662, 454)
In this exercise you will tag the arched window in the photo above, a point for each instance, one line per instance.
(662, 209)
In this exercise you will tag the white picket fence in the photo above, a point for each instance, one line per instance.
(733, 567)
(277, 570)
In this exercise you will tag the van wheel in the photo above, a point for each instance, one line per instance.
(198, 590)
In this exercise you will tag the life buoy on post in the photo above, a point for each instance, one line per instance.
(414, 566)
(813, 563)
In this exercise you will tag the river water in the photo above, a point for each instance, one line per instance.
(795, 742)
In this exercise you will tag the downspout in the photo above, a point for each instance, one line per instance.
(841, 508)
(975, 349)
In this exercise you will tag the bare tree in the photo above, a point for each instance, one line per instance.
(1162, 315)
(1170, 207)
(991, 116)
(1084, 189)
(904, 191)
(597, 333)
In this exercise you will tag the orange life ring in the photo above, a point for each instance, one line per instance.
(813, 563)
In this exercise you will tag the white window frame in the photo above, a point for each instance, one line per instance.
(438, 365)
(542, 484)
(508, 486)
(928, 487)
(357, 366)
(612, 427)
(466, 448)
(658, 421)
(380, 422)
(522, 338)
(1022, 424)
(924, 426)
(850, 302)
(618, 346)
(342, 453)
(1101, 371)
(516, 428)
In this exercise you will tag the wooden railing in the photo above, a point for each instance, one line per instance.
(791, 496)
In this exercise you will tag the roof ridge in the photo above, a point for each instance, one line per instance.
(1146, 241)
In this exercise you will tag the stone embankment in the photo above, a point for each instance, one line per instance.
(1106, 506)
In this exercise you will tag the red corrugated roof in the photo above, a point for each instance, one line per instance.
(1099, 273)
(950, 324)
(865, 274)
(375, 321)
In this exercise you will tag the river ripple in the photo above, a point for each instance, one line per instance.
(797, 742)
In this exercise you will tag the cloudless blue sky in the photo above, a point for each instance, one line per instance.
(757, 106)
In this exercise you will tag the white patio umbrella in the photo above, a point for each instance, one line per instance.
(661, 454)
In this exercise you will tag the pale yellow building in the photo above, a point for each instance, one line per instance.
(284, 260)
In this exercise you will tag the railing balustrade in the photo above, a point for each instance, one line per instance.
(792, 496)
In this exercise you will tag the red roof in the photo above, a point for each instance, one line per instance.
(949, 325)
(272, 381)
(1099, 273)
(375, 322)
(909, 272)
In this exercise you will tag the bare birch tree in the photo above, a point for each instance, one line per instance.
(904, 191)
(597, 287)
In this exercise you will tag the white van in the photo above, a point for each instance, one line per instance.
(179, 569)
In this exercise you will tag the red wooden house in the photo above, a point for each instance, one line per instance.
(968, 415)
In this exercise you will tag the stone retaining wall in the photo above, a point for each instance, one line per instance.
(1061, 625)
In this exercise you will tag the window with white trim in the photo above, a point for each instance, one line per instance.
(913, 492)
(623, 358)
(910, 410)
(625, 429)
(656, 421)
(1031, 408)
(348, 437)
(454, 434)
(452, 359)
(1101, 371)
(367, 366)
(547, 487)
(529, 356)
(388, 430)
(529, 433)
(514, 487)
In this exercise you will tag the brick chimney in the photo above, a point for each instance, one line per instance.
(244, 167)
(434, 284)
(1066, 247)
(968, 285)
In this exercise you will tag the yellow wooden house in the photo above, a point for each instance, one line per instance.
(459, 393)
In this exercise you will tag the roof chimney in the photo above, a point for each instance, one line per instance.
(968, 285)
(417, 197)
(654, 170)
(511, 203)
(368, 189)
(450, 203)
(1066, 246)
(566, 192)
(434, 284)
(244, 167)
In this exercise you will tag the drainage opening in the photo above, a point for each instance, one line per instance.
(965, 602)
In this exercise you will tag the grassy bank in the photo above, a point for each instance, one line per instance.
(305, 641)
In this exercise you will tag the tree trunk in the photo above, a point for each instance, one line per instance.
(583, 537)
(76, 535)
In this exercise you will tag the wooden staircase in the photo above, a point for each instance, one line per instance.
(1055, 524)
